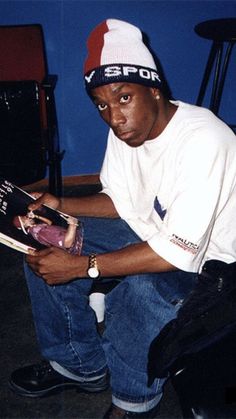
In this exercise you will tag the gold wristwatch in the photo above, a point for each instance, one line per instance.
(93, 271)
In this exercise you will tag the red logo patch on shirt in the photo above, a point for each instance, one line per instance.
(184, 244)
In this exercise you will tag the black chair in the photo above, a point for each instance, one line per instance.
(29, 141)
(222, 33)
(197, 349)
(206, 388)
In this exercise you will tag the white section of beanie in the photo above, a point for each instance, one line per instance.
(123, 44)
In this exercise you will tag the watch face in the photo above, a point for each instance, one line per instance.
(93, 272)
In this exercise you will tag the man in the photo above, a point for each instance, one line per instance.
(167, 206)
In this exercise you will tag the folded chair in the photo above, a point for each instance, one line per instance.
(28, 124)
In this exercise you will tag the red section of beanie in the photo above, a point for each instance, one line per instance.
(95, 45)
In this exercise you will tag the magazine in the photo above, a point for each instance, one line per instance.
(25, 230)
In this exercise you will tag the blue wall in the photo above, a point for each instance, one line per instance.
(169, 25)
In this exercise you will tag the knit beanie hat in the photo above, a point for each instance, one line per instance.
(116, 53)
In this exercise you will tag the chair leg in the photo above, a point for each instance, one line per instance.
(216, 103)
(55, 176)
(207, 73)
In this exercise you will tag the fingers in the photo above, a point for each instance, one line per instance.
(38, 253)
(36, 261)
(32, 252)
(49, 265)
(41, 199)
(34, 205)
(36, 195)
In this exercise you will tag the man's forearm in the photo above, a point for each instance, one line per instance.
(134, 259)
(97, 205)
(57, 267)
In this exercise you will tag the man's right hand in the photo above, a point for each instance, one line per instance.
(44, 199)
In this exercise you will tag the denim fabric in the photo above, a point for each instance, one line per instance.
(136, 310)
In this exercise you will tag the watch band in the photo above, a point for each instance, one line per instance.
(93, 260)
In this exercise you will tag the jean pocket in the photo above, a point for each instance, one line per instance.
(114, 300)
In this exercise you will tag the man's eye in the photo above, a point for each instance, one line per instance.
(125, 99)
(101, 107)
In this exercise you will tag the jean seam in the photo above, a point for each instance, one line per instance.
(68, 317)
(142, 399)
(75, 352)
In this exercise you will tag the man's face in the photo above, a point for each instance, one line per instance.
(131, 110)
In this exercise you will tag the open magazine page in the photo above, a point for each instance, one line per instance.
(23, 230)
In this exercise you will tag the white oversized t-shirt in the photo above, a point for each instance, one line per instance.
(178, 191)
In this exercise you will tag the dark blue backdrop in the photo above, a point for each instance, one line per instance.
(169, 25)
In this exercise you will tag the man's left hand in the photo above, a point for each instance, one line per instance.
(53, 265)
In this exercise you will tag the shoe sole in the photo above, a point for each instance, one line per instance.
(80, 388)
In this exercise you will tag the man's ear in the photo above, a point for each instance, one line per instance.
(155, 92)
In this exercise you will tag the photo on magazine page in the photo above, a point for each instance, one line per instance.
(23, 230)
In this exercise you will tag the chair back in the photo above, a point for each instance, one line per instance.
(29, 138)
(23, 53)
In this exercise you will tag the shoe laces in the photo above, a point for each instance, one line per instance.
(42, 368)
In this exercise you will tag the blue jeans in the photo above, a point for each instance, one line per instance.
(136, 310)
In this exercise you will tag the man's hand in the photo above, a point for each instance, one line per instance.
(46, 199)
(53, 265)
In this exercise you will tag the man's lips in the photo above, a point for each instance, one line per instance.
(125, 135)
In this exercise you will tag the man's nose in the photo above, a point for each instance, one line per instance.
(116, 117)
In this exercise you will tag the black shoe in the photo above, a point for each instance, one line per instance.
(41, 380)
(115, 412)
